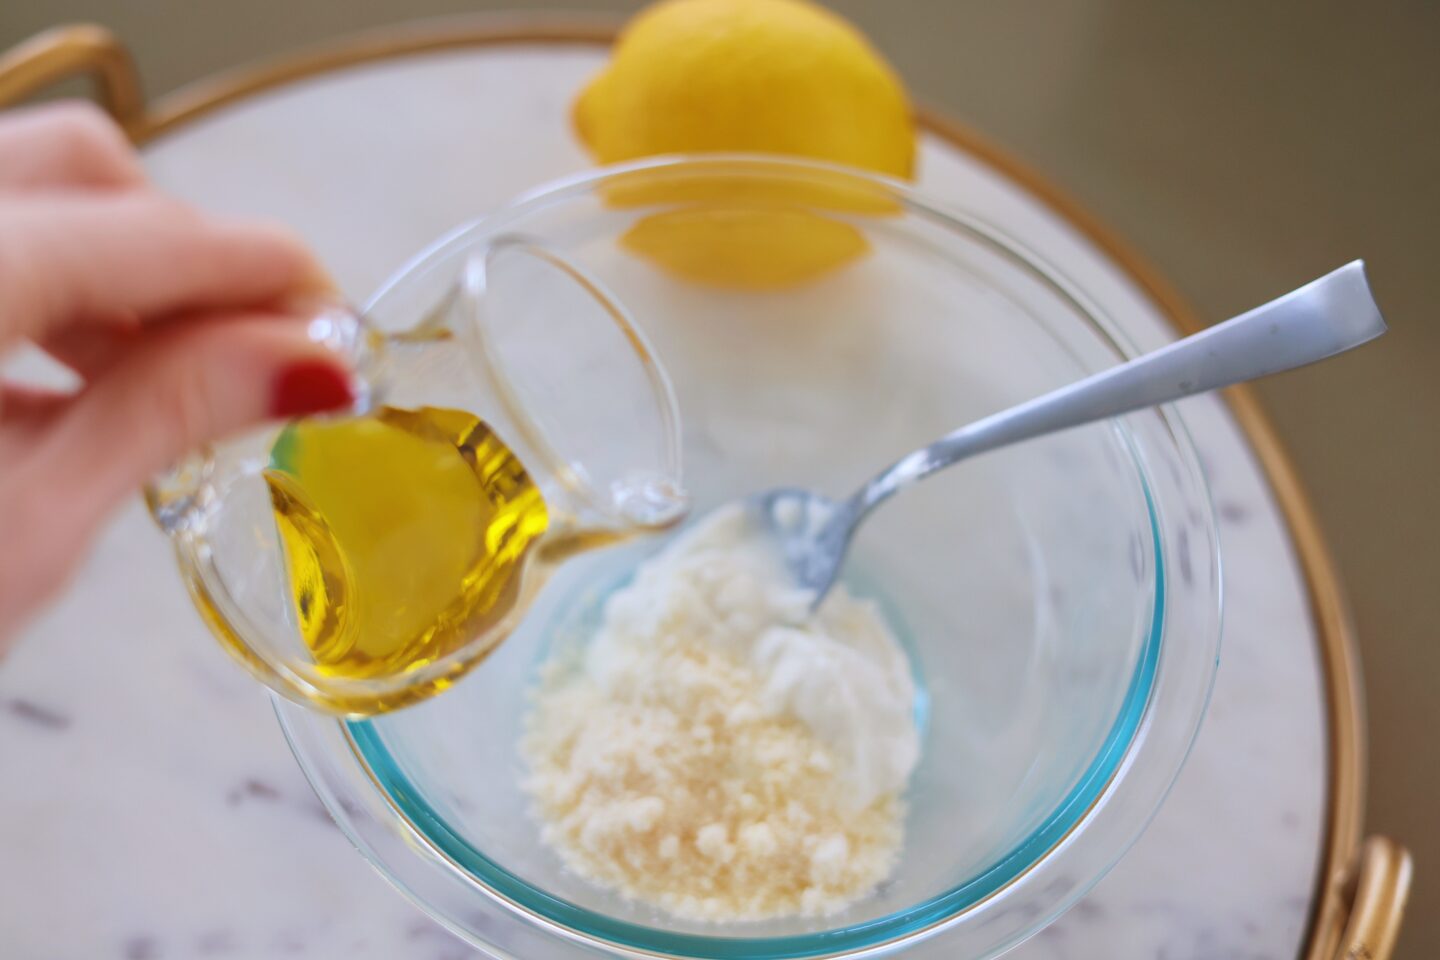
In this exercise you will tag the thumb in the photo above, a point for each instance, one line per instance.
(181, 386)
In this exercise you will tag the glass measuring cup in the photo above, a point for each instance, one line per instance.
(343, 561)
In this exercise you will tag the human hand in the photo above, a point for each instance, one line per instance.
(182, 327)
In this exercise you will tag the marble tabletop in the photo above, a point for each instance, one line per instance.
(150, 809)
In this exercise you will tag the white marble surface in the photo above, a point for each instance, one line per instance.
(150, 809)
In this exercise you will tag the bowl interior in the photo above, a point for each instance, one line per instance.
(1027, 585)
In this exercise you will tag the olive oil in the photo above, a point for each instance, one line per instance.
(405, 535)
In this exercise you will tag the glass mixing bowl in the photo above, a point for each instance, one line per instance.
(1059, 599)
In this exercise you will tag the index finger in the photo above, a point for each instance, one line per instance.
(66, 258)
(70, 145)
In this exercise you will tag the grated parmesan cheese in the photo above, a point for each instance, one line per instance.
(719, 751)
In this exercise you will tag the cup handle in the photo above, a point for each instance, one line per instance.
(653, 499)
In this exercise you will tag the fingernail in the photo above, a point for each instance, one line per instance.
(310, 386)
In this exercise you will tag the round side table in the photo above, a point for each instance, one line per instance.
(159, 796)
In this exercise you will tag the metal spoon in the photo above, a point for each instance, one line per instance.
(1325, 317)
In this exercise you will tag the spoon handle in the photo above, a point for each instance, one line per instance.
(1325, 317)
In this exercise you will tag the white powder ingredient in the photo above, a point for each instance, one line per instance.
(719, 751)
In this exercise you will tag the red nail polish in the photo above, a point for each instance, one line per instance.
(310, 386)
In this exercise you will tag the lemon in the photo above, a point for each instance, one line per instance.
(762, 76)
(744, 247)
(768, 76)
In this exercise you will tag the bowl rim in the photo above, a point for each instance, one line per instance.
(887, 933)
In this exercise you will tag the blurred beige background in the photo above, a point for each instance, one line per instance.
(1242, 147)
